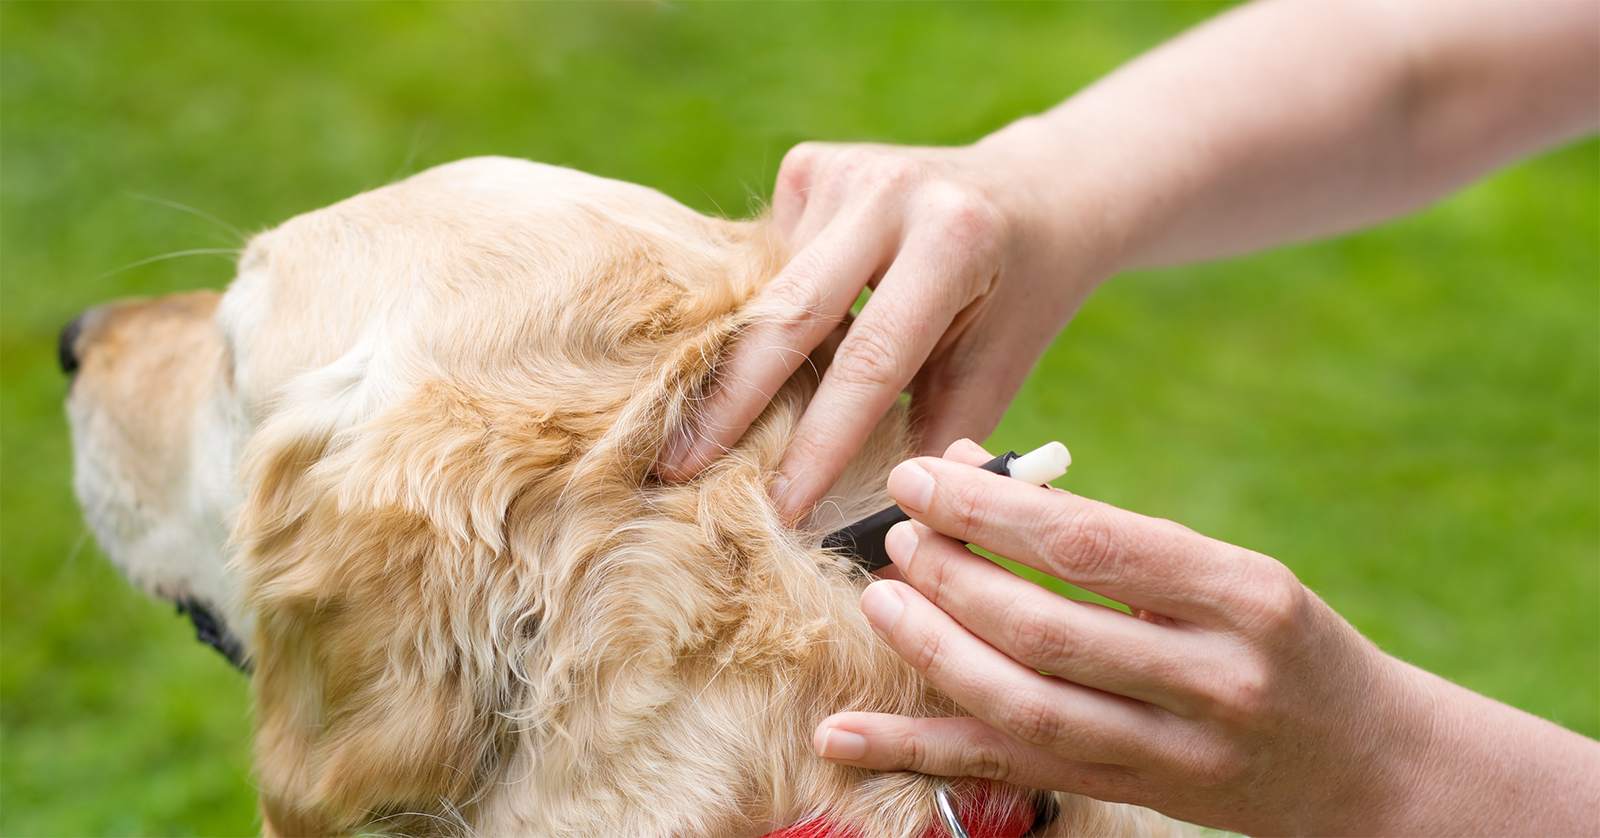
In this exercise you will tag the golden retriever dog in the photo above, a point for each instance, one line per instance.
(401, 470)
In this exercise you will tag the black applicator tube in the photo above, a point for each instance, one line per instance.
(863, 540)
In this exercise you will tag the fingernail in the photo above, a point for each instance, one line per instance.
(882, 605)
(677, 448)
(901, 542)
(842, 744)
(911, 486)
(779, 490)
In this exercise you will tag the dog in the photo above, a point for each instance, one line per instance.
(402, 472)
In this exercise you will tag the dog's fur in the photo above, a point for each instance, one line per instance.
(420, 427)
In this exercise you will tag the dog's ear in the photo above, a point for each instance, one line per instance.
(394, 566)
(662, 404)
(399, 515)
(393, 617)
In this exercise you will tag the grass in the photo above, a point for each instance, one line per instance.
(1407, 417)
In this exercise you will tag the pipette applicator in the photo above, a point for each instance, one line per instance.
(862, 541)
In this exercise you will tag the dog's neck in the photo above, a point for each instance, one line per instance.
(698, 716)
(681, 645)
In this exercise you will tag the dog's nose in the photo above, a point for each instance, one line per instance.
(67, 349)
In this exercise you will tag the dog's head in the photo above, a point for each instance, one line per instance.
(406, 460)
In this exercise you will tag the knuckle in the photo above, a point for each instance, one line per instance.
(936, 571)
(961, 756)
(808, 448)
(794, 178)
(798, 163)
(1242, 696)
(1043, 641)
(1277, 602)
(968, 509)
(846, 164)
(927, 654)
(866, 357)
(983, 763)
(1212, 765)
(966, 219)
(1083, 538)
(794, 289)
(882, 172)
(1246, 697)
(1033, 719)
(915, 754)
(793, 306)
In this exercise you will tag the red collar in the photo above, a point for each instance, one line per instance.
(981, 822)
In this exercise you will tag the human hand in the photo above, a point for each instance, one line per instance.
(1232, 697)
(968, 292)
(1205, 147)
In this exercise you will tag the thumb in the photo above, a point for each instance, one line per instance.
(957, 747)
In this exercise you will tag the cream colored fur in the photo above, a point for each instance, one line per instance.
(428, 416)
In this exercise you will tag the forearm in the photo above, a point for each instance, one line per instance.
(1285, 121)
(1273, 123)
(1490, 769)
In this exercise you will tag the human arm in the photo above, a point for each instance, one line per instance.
(1235, 698)
(1275, 122)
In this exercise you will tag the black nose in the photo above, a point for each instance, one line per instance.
(67, 349)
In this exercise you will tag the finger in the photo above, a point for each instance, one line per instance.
(968, 452)
(1081, 642)
(960, 747)
(1147, 563)
(801, 203)
(802, 306)
(934, 277)
(822, 356)
(1066, 719)
(793, 187)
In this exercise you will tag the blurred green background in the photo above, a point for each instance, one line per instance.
(1408, 418)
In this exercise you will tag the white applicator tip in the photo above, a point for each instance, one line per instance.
(1041, 465)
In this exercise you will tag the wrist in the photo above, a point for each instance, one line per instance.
(1071, 197)
(1474, 765)
(1403, 745)
(1363, 768)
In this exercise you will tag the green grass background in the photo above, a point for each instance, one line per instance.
(1408, 418)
